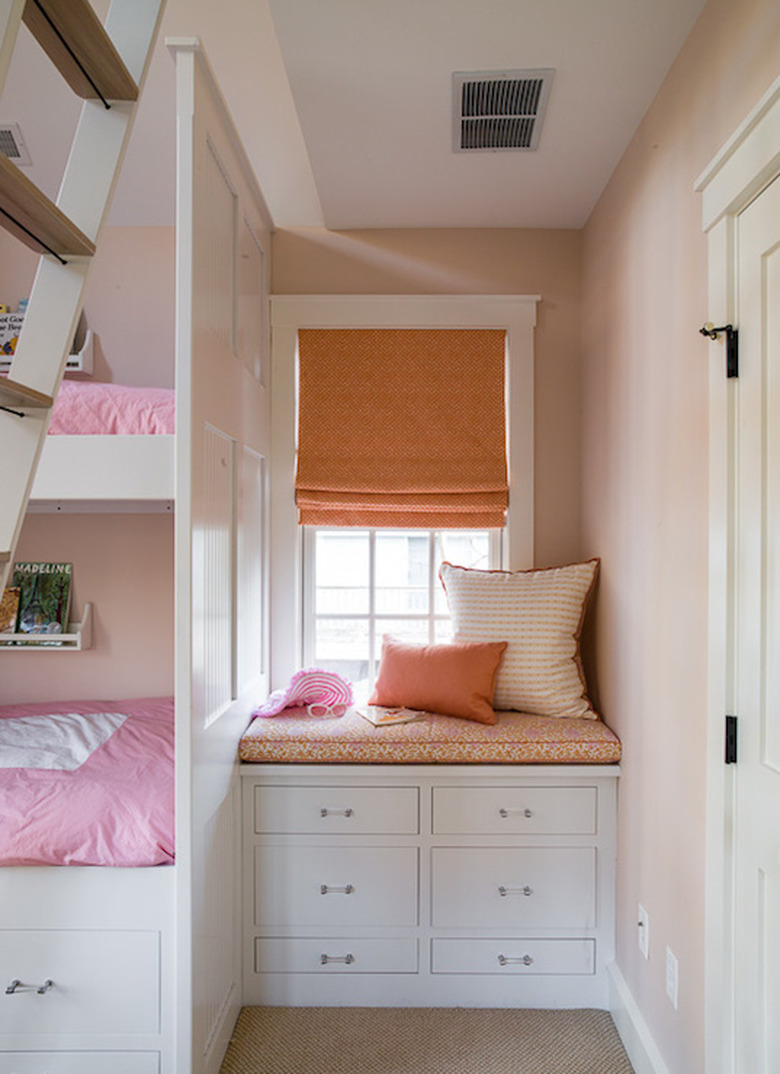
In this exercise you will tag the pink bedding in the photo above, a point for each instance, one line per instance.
(114, 808)
(115, 409)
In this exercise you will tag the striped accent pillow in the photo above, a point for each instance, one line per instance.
(540, 614)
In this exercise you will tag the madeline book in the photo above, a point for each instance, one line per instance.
(382, 716)
(44, 597)
(9, 608)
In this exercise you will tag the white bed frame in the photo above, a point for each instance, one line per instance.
(146, 962)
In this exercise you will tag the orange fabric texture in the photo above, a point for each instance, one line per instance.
(453, 680)
(294, 737)
(401, 427)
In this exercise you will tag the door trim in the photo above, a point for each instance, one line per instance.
(744, 166)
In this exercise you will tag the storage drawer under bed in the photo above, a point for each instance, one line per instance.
(102, 982)
(79, 1063)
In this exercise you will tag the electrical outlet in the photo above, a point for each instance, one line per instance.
(643, 930)
(672, 971)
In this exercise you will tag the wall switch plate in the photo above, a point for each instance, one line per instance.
(672, 971)
(643, 930)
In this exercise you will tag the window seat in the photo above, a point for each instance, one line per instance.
(297, 738)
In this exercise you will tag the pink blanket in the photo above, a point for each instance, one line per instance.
(114, 409)
(115, 807)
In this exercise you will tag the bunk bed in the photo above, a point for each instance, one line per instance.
(151, 949)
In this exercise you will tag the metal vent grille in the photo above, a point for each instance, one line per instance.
(12, 144)
(496, 110)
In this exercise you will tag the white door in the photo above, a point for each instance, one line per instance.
(757, 622)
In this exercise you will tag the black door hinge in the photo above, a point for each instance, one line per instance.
(732, 345)
(731, 740)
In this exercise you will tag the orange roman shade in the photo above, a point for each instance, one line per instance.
(401, 427)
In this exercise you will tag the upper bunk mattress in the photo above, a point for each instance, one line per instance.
(294, 737)
(87, 783)
(98, 409)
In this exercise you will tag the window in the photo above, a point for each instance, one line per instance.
(292, 582)
(362, 583)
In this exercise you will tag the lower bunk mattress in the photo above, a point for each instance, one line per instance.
(295, 737)
(87, 783)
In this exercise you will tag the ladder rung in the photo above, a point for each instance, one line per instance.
(73, 37)
(31, 217)
(5, 557)
(13, 394)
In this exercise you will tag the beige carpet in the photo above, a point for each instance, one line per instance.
(362, 1040)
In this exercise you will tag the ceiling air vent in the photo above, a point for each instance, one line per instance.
(12, 144)
(499, 109)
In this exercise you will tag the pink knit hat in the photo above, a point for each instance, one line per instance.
(313, 687)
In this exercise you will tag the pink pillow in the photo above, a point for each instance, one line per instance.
(453, 680)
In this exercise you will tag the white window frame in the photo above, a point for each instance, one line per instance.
(516, 314)
(495, 544)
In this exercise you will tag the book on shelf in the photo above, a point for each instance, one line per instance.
(44, 597)
(385, 716)
(9, 607)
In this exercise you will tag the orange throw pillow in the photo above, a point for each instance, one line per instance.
(453, 680)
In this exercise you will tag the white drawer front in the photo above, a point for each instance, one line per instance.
(339, 886)
(514, 887)
(103, 982)
(511, 957)
(337, 810)
(514, 810)
(335, 956)
(79, 1063)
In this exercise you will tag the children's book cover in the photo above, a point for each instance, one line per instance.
(9, 608)
(382, 716)
(44, 597)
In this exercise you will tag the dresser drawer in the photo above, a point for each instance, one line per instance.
(337, 810)
(511, 957)
(338, 955)
(102, 982)
(79, 1063)
(514, 810)
(514, 887)
(335, 886)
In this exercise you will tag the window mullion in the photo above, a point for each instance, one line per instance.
(431, 585)
(372, 654)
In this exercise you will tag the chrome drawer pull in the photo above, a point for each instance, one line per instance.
(515, 813)
(347, 959)
(324, 812)
(525, 890)
(16, 986)
(526, 960)
(346, 890)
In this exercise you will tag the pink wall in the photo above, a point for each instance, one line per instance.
(123, 564)
(644, 495)
(475, 261)
(129, 300)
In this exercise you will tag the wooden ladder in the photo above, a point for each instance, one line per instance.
(105, 65)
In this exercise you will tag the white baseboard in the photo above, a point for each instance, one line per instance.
(637, 1039)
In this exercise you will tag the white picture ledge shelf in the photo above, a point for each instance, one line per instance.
(78, 637)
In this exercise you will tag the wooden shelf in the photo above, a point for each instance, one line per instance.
(78, 637)
(31, 217)
(14, 394)
(73, 37)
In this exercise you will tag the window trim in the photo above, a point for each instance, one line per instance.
(309, 615)
(516, 314)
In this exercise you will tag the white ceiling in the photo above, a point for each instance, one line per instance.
(344, 106)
